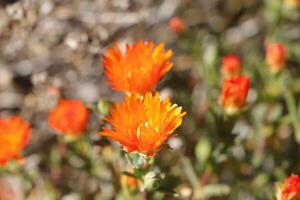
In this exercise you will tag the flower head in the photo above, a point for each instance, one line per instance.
(69, 117)
(143, 123)
(293, 3)
(177, 25)
(276, 57)
(231, 66)
(137, 70)
(14, 136)
(234, 94)
(290, 189)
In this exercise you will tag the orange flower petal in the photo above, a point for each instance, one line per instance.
(14, 136)
(69, 117)
(139, 69)
(143, 123)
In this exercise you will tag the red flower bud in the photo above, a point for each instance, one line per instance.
(289, 189)
(234, 94)
(177, 25)
(231, 66)
(276, 57)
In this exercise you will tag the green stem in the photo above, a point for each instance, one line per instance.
(191, 174)
(292, 108)
(130, 160)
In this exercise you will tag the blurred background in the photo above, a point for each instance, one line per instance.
(51, 49)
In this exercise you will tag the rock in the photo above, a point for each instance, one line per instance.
(6, 77)
(15, 11)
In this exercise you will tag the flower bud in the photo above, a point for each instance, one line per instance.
(234, 94)
(151, 181)
(231, 66)
(289, 189)
(276, 57)
(177, 25)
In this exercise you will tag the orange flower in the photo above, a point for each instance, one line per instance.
(234, 94)
(143, 123)
(231, 66)
(276, 57)
(177, 25)
(293, 3)
(14, 136)
(69, 117)
(137, 70)
(290, 189)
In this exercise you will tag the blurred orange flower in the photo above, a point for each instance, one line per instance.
(14, 136)
(293, 3)
(69, 117)
(143, 123)
(177, 25)
(276, 57)
(234, 94)
(290, 189)
(137, 70)
(231, 66)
